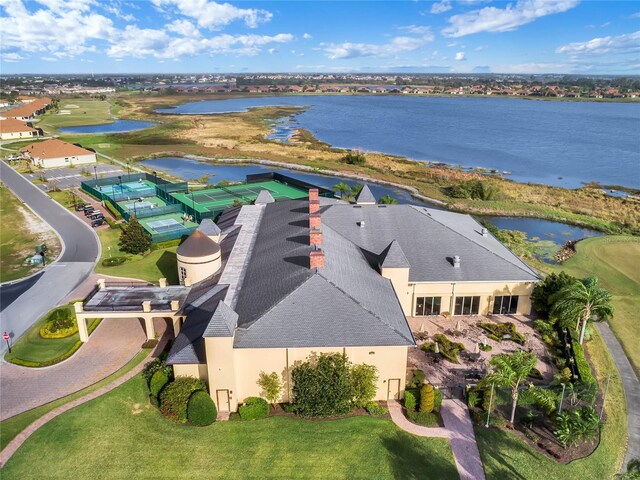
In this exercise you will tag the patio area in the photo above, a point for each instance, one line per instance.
(473, 361)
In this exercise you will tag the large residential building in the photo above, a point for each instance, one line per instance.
(29, 110)
(56, 153)
(11, 129)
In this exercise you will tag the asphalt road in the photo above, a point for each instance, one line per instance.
(29, 299)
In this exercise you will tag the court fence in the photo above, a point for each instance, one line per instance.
(146, 212)
(172, 235)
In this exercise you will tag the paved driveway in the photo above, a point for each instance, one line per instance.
(81, 249)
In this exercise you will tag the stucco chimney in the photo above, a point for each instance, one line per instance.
(313, 194)
(316, 259)
(314, 206)
(314, 220)
(456, 261)
(315, 237)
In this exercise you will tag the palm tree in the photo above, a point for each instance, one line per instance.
(342, 189)
(582, 301)
(510, 371)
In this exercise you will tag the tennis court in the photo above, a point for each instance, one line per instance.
(172, 222)
(140, 188)
(215, 198)
(147, 202)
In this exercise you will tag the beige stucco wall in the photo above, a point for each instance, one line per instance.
(14, 135)
(485, 290)
(65, 161)
(198, 268)
(400, 280)
(192, 370)
(391, 363)
(222, 370)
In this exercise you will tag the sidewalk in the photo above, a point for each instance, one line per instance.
(458, 428)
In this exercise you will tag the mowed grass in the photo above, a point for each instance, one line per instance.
(89, 112)
(615, 260)
(506, 456)
(151, 267)
(119, 435)
(13, 426)
(17, 241)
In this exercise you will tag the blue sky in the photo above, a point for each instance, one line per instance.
(147, 36)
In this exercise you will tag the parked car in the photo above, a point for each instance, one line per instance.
(88, 210)
(80, 207)
(97, 222)
(96, 215)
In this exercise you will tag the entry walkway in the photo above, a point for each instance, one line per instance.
(458, 428)
(112, 345)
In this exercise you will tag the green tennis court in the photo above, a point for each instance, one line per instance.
(215, 198)
(172, 222)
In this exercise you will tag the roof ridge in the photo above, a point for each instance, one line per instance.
(530, 271)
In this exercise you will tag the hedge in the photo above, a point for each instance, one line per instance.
(114, 261)
(112, 209)
(410, 401)
(167, 244)
(158, 381)
(174, 398)
(201, 411)
(64, 356)
(60, 324)
(584, 370)
(437, 399)
(254, 408)
(448, 349)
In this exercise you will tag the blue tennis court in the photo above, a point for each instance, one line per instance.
(165, 225)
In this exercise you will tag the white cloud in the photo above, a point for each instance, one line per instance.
(493, 19)
(215, 15)
(480, 48)
(11, 57)
(49, 59)
(460, 56)
(533, 68)
(354, 50)
(306, 36)
(635, 15)
(627, 43)
(184, 28)
(417, 29)
(441, 7)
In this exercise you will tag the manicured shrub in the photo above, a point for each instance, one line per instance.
(363, 381)
(254, 408)
(157, 364)
(410, 401)
(289, 407)
(584, 370)
(158, 381)
(174, 398)
(497, 331)
(167, 244)
(448, 349)
(427, 398)
(437, 399)
(322, 385)
(201, 411)
(60, 323)
(376, 409)
(417, 378)
(114, 261)
(427, 419)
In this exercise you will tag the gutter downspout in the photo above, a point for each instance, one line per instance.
(453, 297)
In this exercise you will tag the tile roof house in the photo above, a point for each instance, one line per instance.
(297, 278)
(56, 153)
(11, 129)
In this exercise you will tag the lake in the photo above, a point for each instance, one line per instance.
(549, 142)
(549, 235)
(119, 126)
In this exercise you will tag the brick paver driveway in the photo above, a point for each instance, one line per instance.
(110, 347)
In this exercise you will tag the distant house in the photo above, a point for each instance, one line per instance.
(26, 98)
(56, 153)
(28, 111)
(11, 129)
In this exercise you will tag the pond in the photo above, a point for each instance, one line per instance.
(549, 236)
(119, 126)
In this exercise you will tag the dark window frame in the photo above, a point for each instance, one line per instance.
(467, 305)
(504, 304)
(431, 308)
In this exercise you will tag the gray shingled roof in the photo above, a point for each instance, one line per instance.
(209, 228)
(264, 197)
(366, 196)
(394, 257)
(282, 303)
(429, 239)
(223, 322)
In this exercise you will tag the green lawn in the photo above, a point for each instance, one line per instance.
(119, 435)
(18, 240)
(152, 267)
(13, 426)
(614, 260)
(89, 112)
(505, 456)
(31, 347)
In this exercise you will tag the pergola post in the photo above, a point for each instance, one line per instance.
(148, 326)
(82, 322)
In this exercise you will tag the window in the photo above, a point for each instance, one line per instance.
(183, 273)
(467, 306)
(427, 306)
(504, 305)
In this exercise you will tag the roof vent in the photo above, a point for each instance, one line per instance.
(484, 232)
(456, 261)
(361, 223)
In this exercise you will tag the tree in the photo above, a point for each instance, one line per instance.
(388, 200)
(544, 291)
(354, 157)
(582, 301)
(363, 381)
(271, 387)
(427, 398)
(134, 238)
(633, 470)
(342, 189)
(510, 371)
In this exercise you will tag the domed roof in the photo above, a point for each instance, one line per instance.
(198, 245)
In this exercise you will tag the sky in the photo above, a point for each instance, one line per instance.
(205, 36)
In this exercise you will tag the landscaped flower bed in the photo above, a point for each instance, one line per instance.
(503, 331)
(446, 347)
